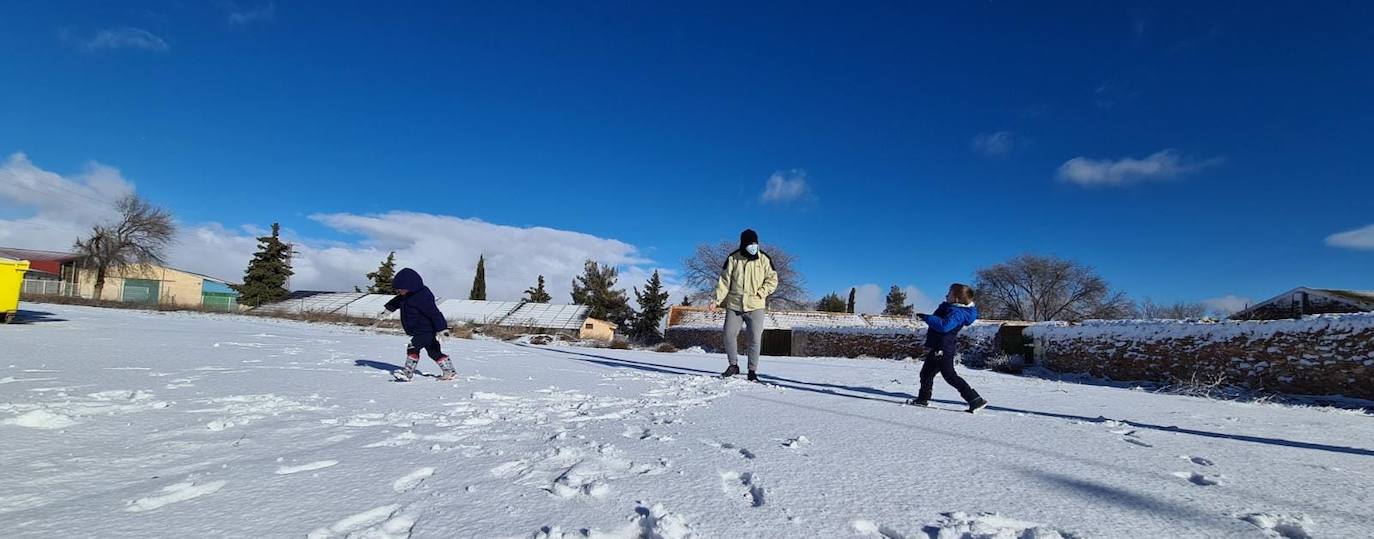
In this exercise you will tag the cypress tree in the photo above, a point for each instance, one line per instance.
(595, 288)
(850, 307)
(896, 303)
(653, 306)
(381, 279)
(265, 279)
(831, 303)
(537, 294)
(479, 281)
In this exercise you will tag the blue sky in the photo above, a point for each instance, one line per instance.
(1187, 154)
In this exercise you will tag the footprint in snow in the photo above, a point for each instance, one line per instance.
(1199, 479)
(387, 521)
(177, 493)
(868, 528)
(308, 467)
(961, 524)
(747, 454)
(1130, 436)
(742, 486)
(411, 480)
(1197, 460)
(1282, 526)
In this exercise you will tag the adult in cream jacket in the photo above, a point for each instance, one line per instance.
(746, 281)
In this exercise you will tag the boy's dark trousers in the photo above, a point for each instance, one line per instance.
(942, 362)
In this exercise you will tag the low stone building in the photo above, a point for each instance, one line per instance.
(1303, 301)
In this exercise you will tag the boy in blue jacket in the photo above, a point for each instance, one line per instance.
(942, 341)
(422, 321)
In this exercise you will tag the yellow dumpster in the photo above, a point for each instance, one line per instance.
(11, 277)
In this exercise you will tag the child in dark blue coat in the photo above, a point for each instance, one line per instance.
(422, 321)
(942, 341)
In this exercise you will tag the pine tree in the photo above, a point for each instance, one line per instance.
(265, 279)
(831, 303)
(537, 294)
(381, 279)
(896, 303)
(686, 301)
(653, 306)
(479, 281)
(595, 288)
(850, 307)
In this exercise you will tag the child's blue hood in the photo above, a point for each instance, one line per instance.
(408, 279)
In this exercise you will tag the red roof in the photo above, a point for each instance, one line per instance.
(36, 256)
(40, 261)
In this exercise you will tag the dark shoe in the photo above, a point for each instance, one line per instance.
(730, 371)
(918, 402)
(977, 404)
(753, 377)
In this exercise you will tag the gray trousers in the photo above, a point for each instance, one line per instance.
(754, 321)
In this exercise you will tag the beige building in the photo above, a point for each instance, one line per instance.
(159, 285)
(597, 330)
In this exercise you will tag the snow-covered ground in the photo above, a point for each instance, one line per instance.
(139, 424)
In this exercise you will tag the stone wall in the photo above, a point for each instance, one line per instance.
(975, 343)
(1318, 355)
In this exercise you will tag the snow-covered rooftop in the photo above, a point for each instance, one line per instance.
(689, 317)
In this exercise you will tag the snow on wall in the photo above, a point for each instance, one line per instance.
(1316, 355)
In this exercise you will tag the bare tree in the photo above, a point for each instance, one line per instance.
(1181, 310)
(1039, 288)
(703, 268)
(140, 236)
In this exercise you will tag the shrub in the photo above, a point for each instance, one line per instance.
(461, 331)
(505, 333)
(665, 348)
(619, 345)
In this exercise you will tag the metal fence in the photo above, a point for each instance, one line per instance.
(48, 287)
(136, 292)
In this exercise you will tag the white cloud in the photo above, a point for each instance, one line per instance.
(1112, 93)
(996, 144)
(1227, 305)
(785, 186)
(1162, 165)
(444, 249)
(125, 37)
(1360, 238)
(872, 299)
(59, 208)
(242, 16)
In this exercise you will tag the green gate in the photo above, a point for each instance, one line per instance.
(141, 291)
(220, 301)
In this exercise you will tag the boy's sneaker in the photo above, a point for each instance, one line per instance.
(753, 377)
(918, 402)
(730, 371)
(977, 404)
(448, 375)
(402, 375)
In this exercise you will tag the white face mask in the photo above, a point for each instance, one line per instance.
(753, 249)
